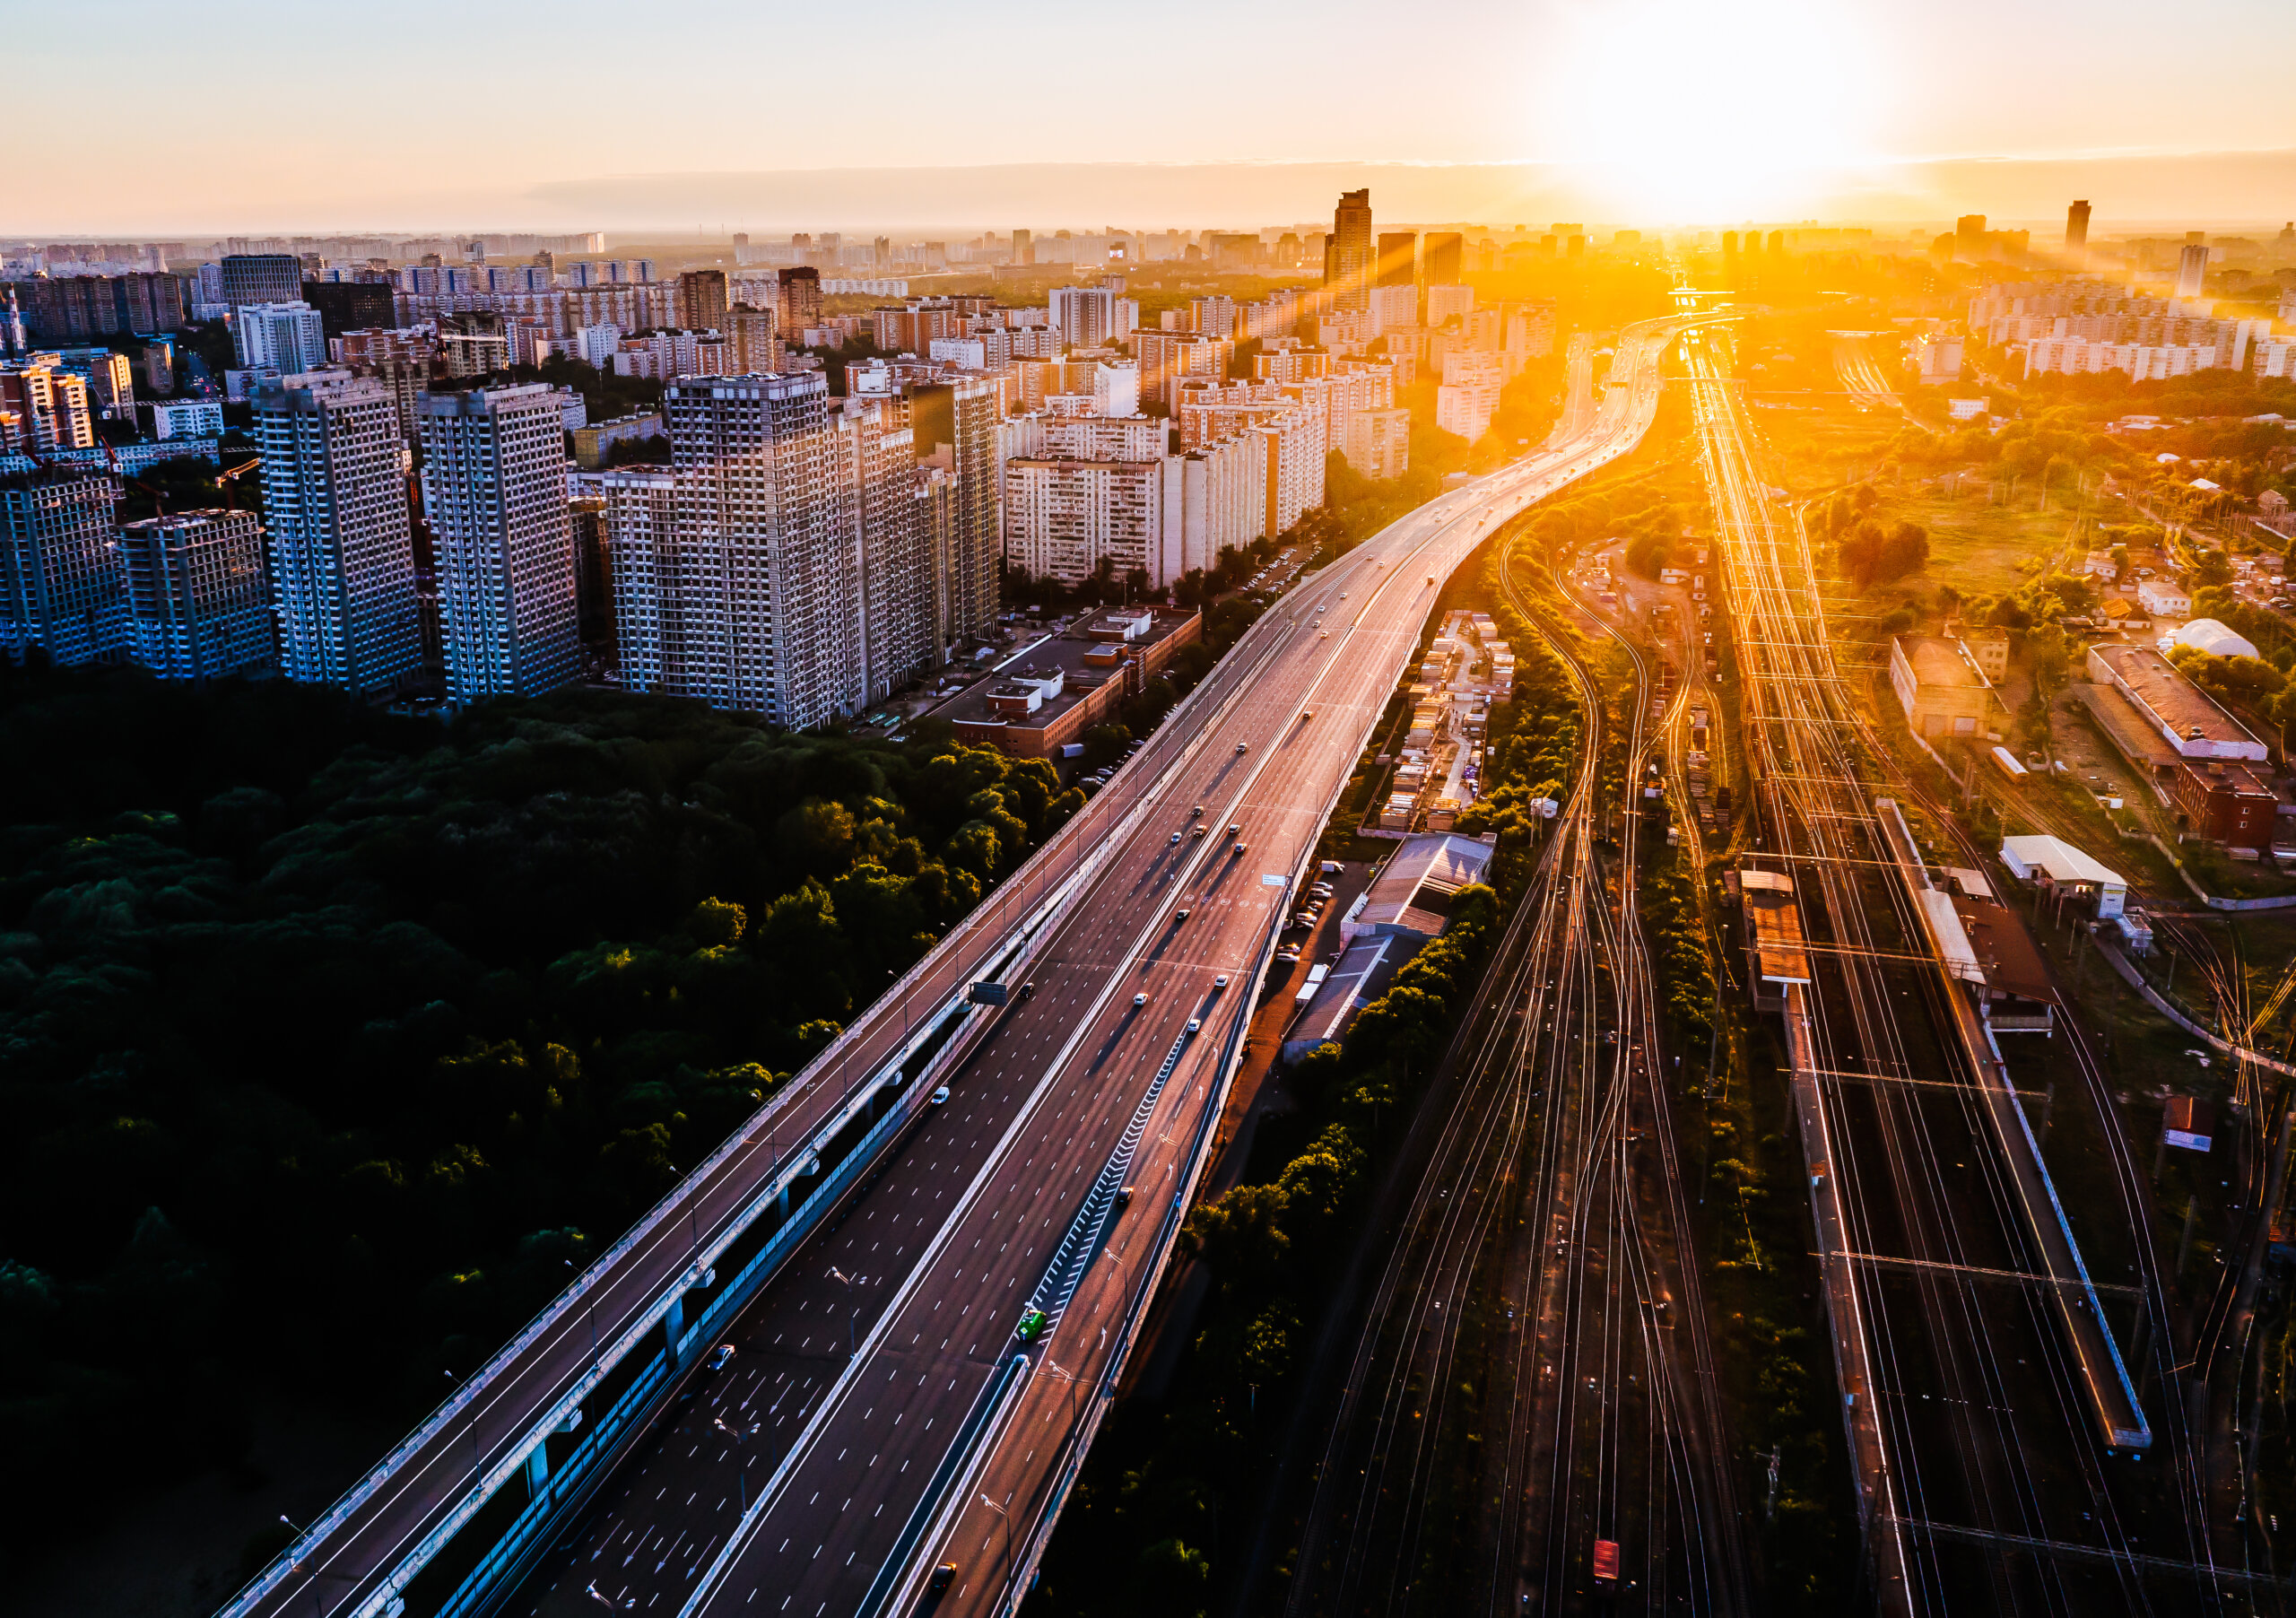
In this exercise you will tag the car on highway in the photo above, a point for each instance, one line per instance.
(1220, 982)
(1028, 988)
(940, 1095)
(1197, 832)
(1307, 713)
(1235, 830)
(943, 1577)
(1179, 915)
(1175, 837)
(1237, 852)
(720, 1355)
(1123, 1196)
(1196, 813)
(1139, 1000)
(1243, 747)
(1032, 1325)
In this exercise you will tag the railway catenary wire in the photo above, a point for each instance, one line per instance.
(1543, 1043)
(1812, 803)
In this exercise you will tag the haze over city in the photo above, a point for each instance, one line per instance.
(1195, 811)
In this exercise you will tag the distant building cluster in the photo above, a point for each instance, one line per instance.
(430, 526)
(2075, 326)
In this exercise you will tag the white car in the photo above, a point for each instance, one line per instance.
(1221, 981)
(1139, 1000)
(1195, 1024)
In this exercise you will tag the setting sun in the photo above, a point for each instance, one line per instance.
(1681, 111)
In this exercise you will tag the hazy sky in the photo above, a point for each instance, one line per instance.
(136, 115)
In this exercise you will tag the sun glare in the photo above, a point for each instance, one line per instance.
(1678, 111)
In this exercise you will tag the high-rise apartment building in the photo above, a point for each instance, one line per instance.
(494, 492)
(1378, 442)
(2076, 228)
(2192, 270)
(1350, 254)
(341, 552)
(49, 402)
(1024, 250)
(1469, 393)
(801, 302)
(755, 336)
(701, 301)
(198, 606)
(901, 589)
(762, 613)
(955, 423)
(642, 569)
(1398, 262)
(1085, 316)
(62, 591)
(1440, 259)
(289, 338)
(261, 278)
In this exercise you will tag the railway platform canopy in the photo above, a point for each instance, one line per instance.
(1780, 957)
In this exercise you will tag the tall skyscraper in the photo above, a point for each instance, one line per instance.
(198, 606)
(1349, 254)
(2192, 270)
(641, 562)
(1398, 258)
(762, 532)
(289, 338)
(701, 301)
(2076, 228)
(955, 423)
(262, 278)
(341, 552)
(494, 491)
(1439, 259)
(62, 591)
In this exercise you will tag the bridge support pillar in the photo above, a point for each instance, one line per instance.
(673, 1326)
(538, 1470)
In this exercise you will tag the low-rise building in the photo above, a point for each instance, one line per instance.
(1414, 891)
(1941, 687)
(1045, 697)
(2051, 862)
(2185, 717)
(1776, 956)
(2164, 598)
(2226, 803)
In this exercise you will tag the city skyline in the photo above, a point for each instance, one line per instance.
(1779, 108)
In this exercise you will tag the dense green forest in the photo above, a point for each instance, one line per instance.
(328, 1040)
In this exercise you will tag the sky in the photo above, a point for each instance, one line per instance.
(247, 116)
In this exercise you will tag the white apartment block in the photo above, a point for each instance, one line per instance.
(185, 418)
(1469, 395)
(494, 491)
(1087, 317)
(765, 608)
(2143, 363)
(896, 545)
(1064, 518)
(198, 606)
(2275, 358)
(62, 589)
(50, 404)
(335, 510)
(640, 519)
(1445, 303)
(1223, 502)
(282, 337)
(1393, 305)
(1378, 442)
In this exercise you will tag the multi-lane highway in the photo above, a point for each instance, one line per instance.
(821, 1463)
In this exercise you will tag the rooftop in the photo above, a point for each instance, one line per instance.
(1414, 891)
(1776, 923)
(2060, 861)
(2153, 682)
(1937, 661)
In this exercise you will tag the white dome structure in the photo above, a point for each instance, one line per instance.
(2207, 635)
